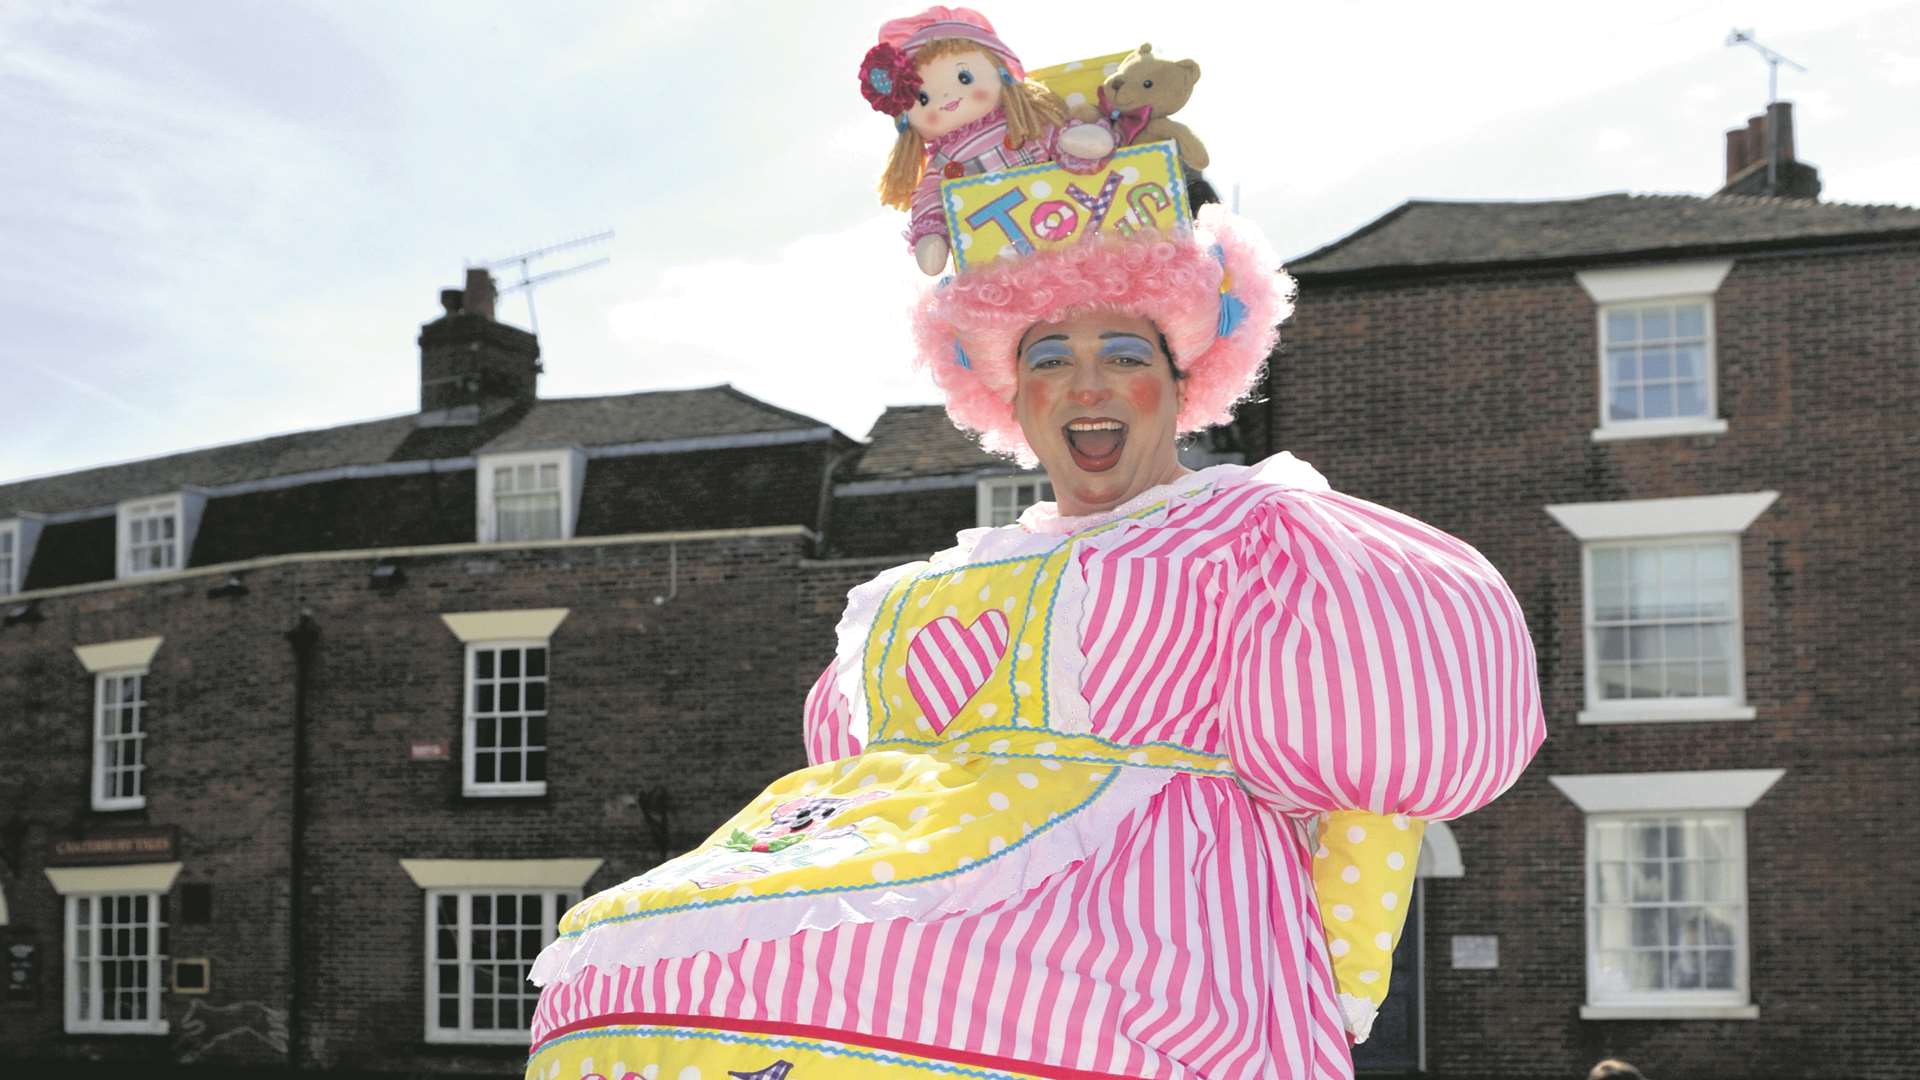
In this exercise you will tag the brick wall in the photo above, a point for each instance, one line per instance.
(908, 523)
(1467, 401)
(218, 754)
(698, 697)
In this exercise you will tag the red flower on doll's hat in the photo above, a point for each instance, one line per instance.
(888, 80)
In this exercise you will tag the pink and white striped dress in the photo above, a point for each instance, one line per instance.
(1231, 655)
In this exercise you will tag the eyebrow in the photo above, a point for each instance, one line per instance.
(1123, 338)
(1049, 337)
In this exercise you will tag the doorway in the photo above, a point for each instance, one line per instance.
(1397, 1045)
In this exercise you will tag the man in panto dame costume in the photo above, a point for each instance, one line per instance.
(1132, 787)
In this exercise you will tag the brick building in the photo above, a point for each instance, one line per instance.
(1685, 430)
(309, 739)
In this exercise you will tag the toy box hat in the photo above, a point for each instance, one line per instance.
(1041, 243)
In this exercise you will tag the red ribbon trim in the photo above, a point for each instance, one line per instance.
(830, 1035)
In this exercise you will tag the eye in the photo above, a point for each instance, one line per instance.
(966, 78)
(1146, 84)
(924, 98)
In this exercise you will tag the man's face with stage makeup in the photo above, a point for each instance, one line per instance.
(955, 90)
(1097, 400)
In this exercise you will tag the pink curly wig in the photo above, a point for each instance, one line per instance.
(967, 330)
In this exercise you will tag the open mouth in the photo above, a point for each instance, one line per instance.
(1095, 445)
(951, 105)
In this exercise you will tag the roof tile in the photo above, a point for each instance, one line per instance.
(1430, 234)
(589, 421)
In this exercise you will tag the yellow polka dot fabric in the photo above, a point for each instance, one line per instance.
(1363, 870)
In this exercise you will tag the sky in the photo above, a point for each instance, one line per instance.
(222, 219)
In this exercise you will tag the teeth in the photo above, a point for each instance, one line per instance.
(1095, 425)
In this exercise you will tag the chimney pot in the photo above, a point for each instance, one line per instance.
(1780, 116)
(480, 293)
(1736, 151)
(450, 299)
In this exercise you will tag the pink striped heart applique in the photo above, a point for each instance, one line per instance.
(948, 662)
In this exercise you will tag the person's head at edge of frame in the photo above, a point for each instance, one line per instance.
(1614, 1069)
(1091, 360)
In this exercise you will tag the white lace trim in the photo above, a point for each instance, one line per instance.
(1359, 1014)
(1077, 838)
(863, 603)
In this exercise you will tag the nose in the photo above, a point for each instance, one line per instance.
(1089, 385)
(1114, 84)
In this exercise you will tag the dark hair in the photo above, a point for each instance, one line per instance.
(1168, 353)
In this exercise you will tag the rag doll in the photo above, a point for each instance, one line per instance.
(962, 105)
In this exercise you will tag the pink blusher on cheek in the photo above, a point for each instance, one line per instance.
(1034, 398)
(981, 94)
(1145, 394)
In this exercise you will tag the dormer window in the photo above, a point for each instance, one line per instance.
(150, 536)
(1002, 499)
(530, 496)
(11, 570)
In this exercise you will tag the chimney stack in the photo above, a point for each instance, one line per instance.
(471, 367)
(1748, 159)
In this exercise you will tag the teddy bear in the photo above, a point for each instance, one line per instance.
(1142, 95)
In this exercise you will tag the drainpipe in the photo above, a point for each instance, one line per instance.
(823, 509)
(304, 637)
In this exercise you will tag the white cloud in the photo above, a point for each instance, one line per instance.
(817, 325)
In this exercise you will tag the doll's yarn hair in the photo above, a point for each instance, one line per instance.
(1030, 109)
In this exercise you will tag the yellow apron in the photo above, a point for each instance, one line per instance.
(960, 771)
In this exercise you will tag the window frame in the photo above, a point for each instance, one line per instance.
(984, 488)
(1730, 706)
(1707, 423)
(14, 574)
(571, 464)
(1621, 288)
(128, 512)
(156, 958)
(554, 903)
(1741, 994)
(101, 801)
(496, 789)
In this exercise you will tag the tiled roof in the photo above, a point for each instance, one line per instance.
(919, 440)
(1426, 234)
(588, 421)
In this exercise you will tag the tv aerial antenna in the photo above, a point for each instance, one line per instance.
(528, 278)
(1737, 36)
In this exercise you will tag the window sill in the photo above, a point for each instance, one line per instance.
(1654, 713)
(1669, 1012)
(518, 1038)
(1657, 429)
(109, 806)
(504, 791)
(123, 1027)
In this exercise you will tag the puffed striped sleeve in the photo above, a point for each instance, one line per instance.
(828, 721)
(1374, 663)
